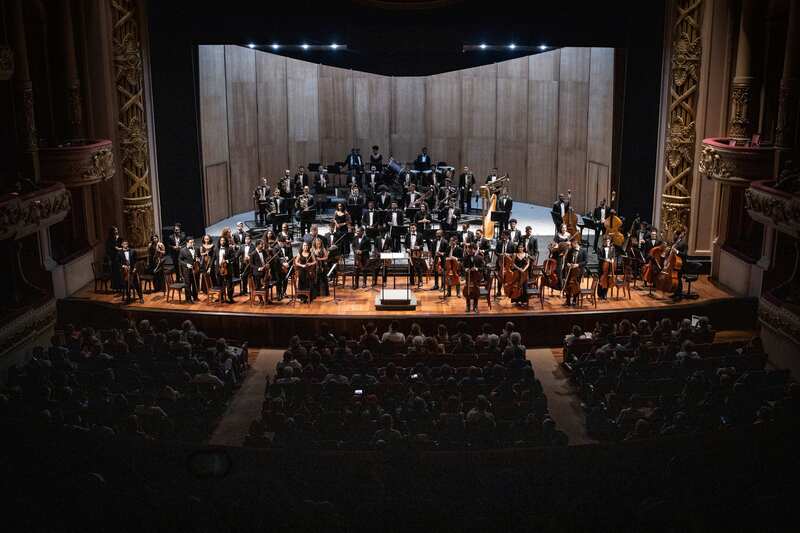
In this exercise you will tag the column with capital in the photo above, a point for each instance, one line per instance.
(132, 123)
(742, 115)
(789, 92)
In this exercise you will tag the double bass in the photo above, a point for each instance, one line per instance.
(572, 279)
(667, 279)
(451, 271)
(513, 278)
(655, 264)
(474, 278)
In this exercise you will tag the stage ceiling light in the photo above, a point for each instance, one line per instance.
(251, 45)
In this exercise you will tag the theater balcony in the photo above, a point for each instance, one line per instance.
(737, 247)
(775, 204)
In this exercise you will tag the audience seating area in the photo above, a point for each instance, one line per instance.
(645, 380)
(140, 380)
(444, 390)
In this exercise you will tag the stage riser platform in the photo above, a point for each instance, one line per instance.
(275, 330)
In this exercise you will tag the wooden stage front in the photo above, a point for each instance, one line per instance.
(274, 324)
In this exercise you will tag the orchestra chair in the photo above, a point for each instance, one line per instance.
(691, 273)
(264, 294)
(146, 279)
(590, 293)
(485, 291)
(215, 293)
(171, 286)
(535, 290)
(622, 282)
(102, 278)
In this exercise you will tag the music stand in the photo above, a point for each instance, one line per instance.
(335, 281)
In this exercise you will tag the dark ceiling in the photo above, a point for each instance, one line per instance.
(418, 40)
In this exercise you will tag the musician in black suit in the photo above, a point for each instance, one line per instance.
(466, 182)
(301, 180)
(651, 242)
(492, 177)
(305, 209)
(465, 236)
(483, 244)
(503, 247)
(681, 248)
(412, 197)
(394, 218)
(281, 263)
(127, 261)
(189, 256)
(285, 185)
(376, 158)
(448, 217)
(243, 256)
(261, 195)
(259, 264)
(372, 179)
(574, 256)
(560, 210)
(605, 254)
(224, 255)
(514, 235)
(423, 160)
(599, 215)
(378, 245)
(372, 217)
(454, 250)
(278, 205)
(531, 244)
(174, 243)
(355, 204)
(354, 162)
(361, 247)
(504, 206)
(414, 242)
(384, 199)
(439, 249)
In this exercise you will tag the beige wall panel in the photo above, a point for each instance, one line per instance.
(407, 118)
(336, 114)
(213, 124)
(272, 118)
(573, 107)
(303, 112)
(443, 117)
(217, 192)
(240, 69)
(478, 119)
(372, 106)
(542, 175)
(600, 125)
(512, 124)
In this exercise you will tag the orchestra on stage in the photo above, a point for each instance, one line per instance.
(413, 210)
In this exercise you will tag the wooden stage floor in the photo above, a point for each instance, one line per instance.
(277, 321)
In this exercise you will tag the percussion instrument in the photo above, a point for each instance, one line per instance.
(394, 166)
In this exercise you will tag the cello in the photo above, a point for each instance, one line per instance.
(572, 279)
(451, 274)
(474, 278)
(654, 265)
(512, 277)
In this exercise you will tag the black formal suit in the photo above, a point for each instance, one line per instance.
(361, 249)
(174, 243)
(465, 237)
(187, 261)
(599, 214)
(258, 266)
(556, 213)
(127, 259)
(648, 245)
(448, 219)
(531, 246)
(466, 182)
(355, 204)
(354, 162)
(286, 186)
(306, 217)
(242, 255)
(378, 246)
(422, 162)
(279, 206)
(383, 201)
(376, 160)
(238, 237)
(300, 181)
(410, 198)
(604, 255)
(682, 250)
(439, 249)
(514, 235)
(372, 180)
(504, 205)
(225, 281)
(372, 218)
(490, 178)
(504, 247)
(573, 256)
(285, 255)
